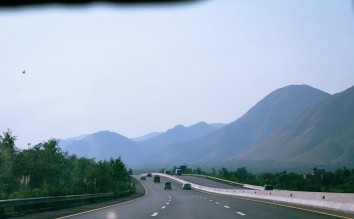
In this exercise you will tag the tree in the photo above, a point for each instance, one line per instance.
(8, 152)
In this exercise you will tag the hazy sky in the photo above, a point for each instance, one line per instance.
(134, 70)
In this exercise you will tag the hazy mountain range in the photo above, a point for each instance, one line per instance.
(293, 125)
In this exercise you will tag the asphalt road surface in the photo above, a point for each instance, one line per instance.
(184, 204)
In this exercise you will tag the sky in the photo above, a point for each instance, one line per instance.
(140, 69)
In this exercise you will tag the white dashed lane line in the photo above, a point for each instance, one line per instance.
(154, 214)
(218, 203)
(240, 213)
(163, 207)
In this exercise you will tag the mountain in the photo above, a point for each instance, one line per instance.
(217, 125)
(103, 145)
(64, 144)
(323, 134)
(178, 134)
(293, 125)
(146, 137)
(260, 122)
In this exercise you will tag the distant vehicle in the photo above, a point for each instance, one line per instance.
(156, 179)
(149, 175)
(268, 187)
(143, 177)
(168, 185)
(167, 172)
(178, 172)
(186, 186)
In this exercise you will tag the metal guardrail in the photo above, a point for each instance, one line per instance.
(35, 203)
(42, 200)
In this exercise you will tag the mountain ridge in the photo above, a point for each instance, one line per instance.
(267, 116)
(323, 133)
(287, 116)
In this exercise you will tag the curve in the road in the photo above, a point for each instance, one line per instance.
(109, 206)
(189, 204)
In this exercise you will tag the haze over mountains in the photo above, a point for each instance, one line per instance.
(293, 125)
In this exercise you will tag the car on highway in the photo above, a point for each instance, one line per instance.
(167, 172)
(143, 177)
(268, 187)
(168, 185)
(156, 179)
(149, 175)
(186, 186)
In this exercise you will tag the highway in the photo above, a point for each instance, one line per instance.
(184, 204)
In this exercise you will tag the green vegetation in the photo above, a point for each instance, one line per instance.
(319, 180)
(45, 170)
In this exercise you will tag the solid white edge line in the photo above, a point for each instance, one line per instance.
(97, 209)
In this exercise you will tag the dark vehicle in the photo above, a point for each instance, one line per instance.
(186, 186)
(149, 175)
(156, 179)
(143, 177)
(167, 172)
(178, 172)
(268, 187)
(168, 185)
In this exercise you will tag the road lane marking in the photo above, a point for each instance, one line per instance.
(210, 200)
(217, 203)
(97, 209)
(154, 214)
(277, 204)
(226, 206)
(167, 203)
(240, 213)
(286, 206)
(163, 207)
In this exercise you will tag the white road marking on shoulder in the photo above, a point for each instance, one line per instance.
(226, 206)
(240, 213)
(154, 214)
